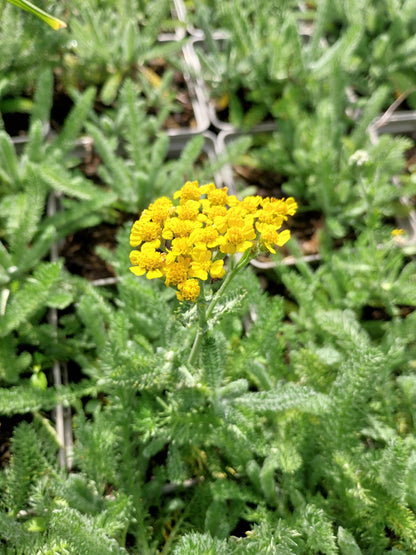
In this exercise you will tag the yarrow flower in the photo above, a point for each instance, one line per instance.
(185, 241)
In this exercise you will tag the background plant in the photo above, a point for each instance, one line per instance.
(112, 41)
(249, 69)
(263, 56)
(376, 35)
(345, 177)
(138, 160)
(27, 46)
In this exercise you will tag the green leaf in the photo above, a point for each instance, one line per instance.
(289, 397)
(212, 356)
(9, 161)
(58, 180)
(60, 299)
(11, 363)
(347, 543)
(54, 22)
(30, 297)
(75, 121)
(22, 399)
(110, 88)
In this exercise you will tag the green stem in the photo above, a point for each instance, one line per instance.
(227, 280)
(202, 326)
(205, 315)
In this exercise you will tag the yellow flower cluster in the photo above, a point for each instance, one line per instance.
(188, 241)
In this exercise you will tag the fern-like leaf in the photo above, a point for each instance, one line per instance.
(31, 297)
(288, 397)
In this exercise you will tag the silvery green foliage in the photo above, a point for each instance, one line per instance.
(281, 421)
(294, 433)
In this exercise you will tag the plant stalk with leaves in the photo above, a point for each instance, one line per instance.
(187, 243)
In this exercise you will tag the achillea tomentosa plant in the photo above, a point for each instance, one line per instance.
(187, 243)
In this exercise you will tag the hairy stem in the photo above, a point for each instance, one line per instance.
(202, 326)
(204, 314)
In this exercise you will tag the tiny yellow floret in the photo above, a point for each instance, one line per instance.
(147, 261)
(190, 191)
(177, 271)
(188, 290)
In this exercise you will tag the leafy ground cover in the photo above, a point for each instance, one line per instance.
(278, 416)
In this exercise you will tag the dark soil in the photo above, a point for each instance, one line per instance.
(16, 124)
(183, 117)
(79, 252)
(223, 113)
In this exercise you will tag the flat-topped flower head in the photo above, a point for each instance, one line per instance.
(180, 246)
(205, 237)
(186, 241)
(275, 210)
(217, 270)
(218, 196)
(291, 206)
(212, 211)
(175, 227)
(251, 203)
(201, 263)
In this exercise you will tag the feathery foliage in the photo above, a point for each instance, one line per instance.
(292, 431)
